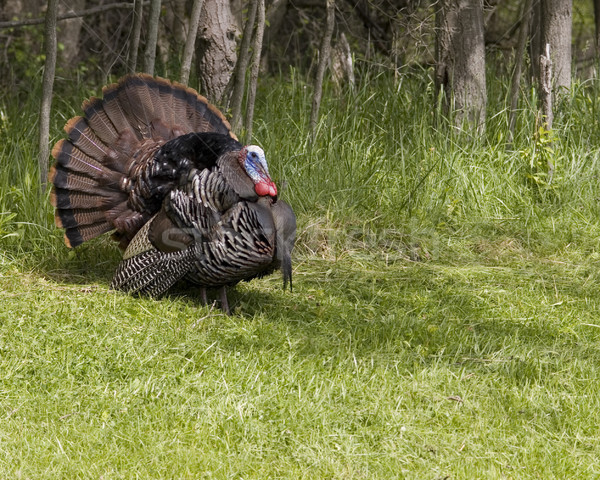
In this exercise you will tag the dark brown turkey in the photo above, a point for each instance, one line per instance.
(157, 164)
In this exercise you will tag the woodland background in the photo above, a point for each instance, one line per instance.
(391, 36)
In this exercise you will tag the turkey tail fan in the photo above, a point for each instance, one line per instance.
(100, 162)
(200, 114)
(84, 189)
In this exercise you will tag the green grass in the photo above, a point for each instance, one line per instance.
(443, 323)
(367, 370)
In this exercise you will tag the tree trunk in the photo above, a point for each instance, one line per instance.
(217, 52)
(47, 88)
(342, 66)
(239, 76)
(597, 24)
(460, 69)
(275, 16)
(175, 20)
(324, 53)
(535, 38)
(256, 51)
(190, 42)
(136, 29)
(545, 83)
(150, 51)
(556, 28)
(171, 33)
(546, 79)
(69, 34)
(516, 78)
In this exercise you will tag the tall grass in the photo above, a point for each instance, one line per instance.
(381, 165)
(381, 168)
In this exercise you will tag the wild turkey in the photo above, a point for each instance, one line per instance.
(155, 162)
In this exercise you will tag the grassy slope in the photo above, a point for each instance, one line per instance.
(444, 319)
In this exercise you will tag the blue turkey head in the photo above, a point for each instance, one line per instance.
(253, 160)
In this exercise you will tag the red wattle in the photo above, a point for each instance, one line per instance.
(272, 190)
(263, 188)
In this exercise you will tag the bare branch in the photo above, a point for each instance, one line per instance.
(68, 15)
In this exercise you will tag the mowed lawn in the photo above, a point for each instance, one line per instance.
(482, 367)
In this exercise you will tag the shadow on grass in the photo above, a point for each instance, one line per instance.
(92, 262)
(502, 320)
(96, 261)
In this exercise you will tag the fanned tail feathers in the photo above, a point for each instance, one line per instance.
(92, 175)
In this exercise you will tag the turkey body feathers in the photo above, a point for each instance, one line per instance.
(157, 164)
